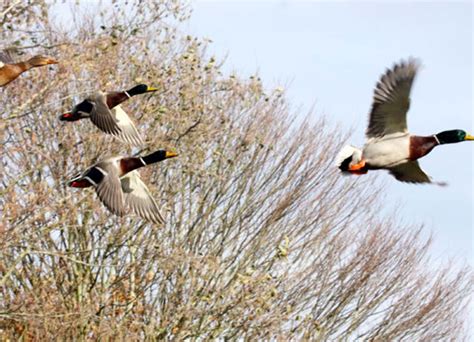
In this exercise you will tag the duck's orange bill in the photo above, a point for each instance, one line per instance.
(469, 137)
(52, 61)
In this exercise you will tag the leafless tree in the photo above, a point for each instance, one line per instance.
(264, 239)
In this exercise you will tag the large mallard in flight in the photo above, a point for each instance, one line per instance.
(389, 145)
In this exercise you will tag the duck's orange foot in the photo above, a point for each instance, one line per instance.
(359, 172)
(358, 167)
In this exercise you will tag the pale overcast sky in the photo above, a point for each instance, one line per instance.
(332, 53)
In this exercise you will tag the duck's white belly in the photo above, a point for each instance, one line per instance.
(387, 152)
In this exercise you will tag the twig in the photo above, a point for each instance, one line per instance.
(189, 129)
(10, 8)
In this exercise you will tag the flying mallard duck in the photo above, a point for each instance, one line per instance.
(389, 145)
(9, 70)
(104, 111)
(118, 185)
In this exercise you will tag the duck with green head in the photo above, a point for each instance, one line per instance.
(104, 111)
(118, 184)
(389, 145)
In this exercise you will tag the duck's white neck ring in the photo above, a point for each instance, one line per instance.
(437, 140)
(126, 93)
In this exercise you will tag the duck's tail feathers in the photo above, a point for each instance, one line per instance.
(346, 155)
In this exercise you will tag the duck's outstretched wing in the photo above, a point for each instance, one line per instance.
(139, 198)
(102, 116)
(392, 100)
(109, 189)
(128, 131)
(411, 172)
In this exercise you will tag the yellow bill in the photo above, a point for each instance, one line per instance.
(148, 89)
